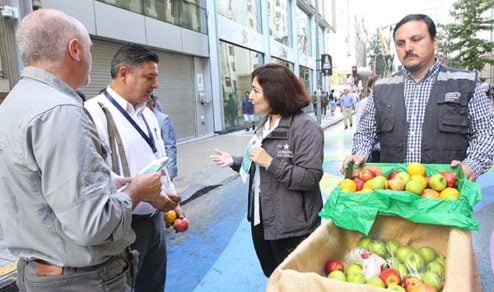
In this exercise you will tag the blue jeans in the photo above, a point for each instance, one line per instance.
(113, 275)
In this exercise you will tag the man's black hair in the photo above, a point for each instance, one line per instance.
(431, 26)
(131, 55)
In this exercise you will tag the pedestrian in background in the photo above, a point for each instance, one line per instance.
(60, 211)
(427, 112)
(332, 102)
(283, 164)
(324, 103)
(168, 134)
(359, 109)
(131, 130)
(248, 112)
(347, 104)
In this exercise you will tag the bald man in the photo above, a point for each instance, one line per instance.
(60, 211)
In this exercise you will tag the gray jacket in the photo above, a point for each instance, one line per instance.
(290, 195)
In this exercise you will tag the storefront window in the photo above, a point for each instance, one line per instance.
(132, 5)
(165, 10)
(243, 12)
(303, 32)
(280, 21)
(237, 65)
(305, 76)
(282, 62)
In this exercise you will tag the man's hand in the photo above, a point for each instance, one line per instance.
(466, 169)
(261, 157)
(144, 187)
(356, 159)
(165, 201)
(221, 158)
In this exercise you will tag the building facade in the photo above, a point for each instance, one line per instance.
(207, 49)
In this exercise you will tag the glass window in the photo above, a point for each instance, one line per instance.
(282, 62)
(132, 5)
(305, 76)
(303, 32)
(243, 12)
(185, 13)
(280, 21)
(235, 72)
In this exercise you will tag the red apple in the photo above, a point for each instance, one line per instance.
(333, 265)
(430, 193)
(411, 282)
(450, 178)
(181, 224)
(390, 276)
(377, 171)
(392, 174)
(395, 184)
(359, 182)
(422, 288)
(366, 174)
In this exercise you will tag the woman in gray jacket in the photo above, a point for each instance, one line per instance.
(283, 164)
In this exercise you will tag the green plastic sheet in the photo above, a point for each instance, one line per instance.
(358, 211)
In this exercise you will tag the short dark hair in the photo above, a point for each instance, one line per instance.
(282, 89)
(431, 26)
(131, 55)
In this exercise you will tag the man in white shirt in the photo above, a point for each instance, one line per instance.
(131, 133)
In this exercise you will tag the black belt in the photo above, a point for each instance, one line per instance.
(139, 217)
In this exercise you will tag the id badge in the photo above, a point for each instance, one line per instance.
(246, 161)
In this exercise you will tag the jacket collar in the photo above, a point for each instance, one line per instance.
(281, 132)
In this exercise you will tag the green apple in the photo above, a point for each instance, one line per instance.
(415, 187)
(356, 278)
(364, 242)
(440, 259)
(377, 183)
(337, 275)
(391, 247)
(432, 279)
(427, 253)
(414, 262)
(376, 282)
(395, 287)
(436, 267)
(402, 270)
(438, 182)
(404, 176)
(353, 268)
(378, 247)
(402, 252)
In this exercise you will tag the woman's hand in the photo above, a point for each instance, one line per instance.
(261, 157)
(221, 158)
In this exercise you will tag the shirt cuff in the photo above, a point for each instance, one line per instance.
(475, 167)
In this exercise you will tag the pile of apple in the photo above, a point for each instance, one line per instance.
(442, 185)
(405, 269)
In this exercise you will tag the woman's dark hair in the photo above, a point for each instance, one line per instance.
(282, 89)
(431, 27)
(370, 84)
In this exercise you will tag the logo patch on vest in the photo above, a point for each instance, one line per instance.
(283, 151)
(452, 97)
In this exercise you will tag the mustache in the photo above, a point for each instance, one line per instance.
(408, 55)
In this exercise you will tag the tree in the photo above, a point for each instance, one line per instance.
(376, 56)
(460, 42)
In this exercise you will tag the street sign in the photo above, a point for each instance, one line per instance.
(326, 65)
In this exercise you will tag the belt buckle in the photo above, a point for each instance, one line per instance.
(44, 269)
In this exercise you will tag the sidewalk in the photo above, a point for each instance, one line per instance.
(196, 176)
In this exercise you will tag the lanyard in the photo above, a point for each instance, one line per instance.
(149, 139)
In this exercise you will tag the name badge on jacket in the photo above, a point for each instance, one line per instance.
(284, 151)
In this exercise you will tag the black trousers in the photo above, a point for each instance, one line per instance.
(151, 244)
(272, 252)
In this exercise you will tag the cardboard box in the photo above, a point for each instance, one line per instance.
(303, 269)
